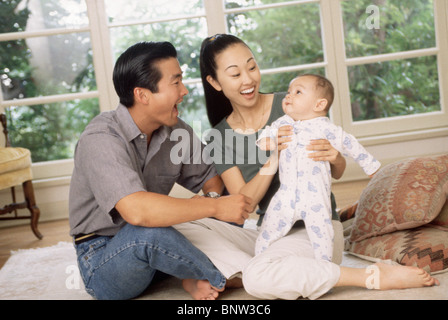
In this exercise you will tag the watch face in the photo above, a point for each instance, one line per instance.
(212, 194)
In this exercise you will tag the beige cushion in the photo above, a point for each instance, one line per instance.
(15, 167)
(12, 159)
(14, 178)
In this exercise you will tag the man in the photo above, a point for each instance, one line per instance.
(120, 211)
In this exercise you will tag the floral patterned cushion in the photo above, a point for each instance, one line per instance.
(402, 195)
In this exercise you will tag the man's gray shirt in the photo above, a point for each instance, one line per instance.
(112, 160)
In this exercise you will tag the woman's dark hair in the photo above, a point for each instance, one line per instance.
(217, 104)
(136, 67)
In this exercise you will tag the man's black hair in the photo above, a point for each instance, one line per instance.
(137, 67)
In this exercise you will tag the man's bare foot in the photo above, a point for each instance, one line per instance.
(201, 289)
(403, 277)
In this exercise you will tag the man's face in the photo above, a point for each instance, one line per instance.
(163, 104)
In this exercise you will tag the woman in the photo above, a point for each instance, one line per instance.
(234, 103)
(286, 270)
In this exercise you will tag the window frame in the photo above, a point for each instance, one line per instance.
(371, 132)
(400, 128)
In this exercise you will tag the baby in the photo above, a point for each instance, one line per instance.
(305, 184)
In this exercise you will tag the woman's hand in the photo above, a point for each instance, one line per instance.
(284, 136)
(324, 151)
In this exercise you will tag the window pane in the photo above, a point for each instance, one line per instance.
(50, 131)
(395, 88)
(42, 14)
(249, 3)
(12, 17)
(42, 66)
(46, 66)
(388, 26)
(185, 35)
(281, 37)
(132, 10)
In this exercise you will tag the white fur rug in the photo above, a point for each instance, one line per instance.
(51, 273)
(42, 273)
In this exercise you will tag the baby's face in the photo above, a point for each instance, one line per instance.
(301, 99)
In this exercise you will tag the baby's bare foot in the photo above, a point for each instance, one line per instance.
(201, 289)
(403, 277)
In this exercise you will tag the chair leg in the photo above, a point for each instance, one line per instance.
(32, 207)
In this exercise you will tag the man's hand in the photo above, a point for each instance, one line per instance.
(234, 208)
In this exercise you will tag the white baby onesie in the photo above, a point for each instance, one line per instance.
(305, 184)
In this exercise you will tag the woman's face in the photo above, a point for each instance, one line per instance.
(237, 75)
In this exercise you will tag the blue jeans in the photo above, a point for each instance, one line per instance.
(123, 266)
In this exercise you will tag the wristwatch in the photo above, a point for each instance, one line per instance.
(212, 194)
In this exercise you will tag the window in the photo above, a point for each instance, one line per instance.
(271, 29)
(394, 87)
(389, 66)
(185, 26)
(385, 58)
(48, 82)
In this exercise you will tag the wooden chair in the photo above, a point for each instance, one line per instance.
(15, 169)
